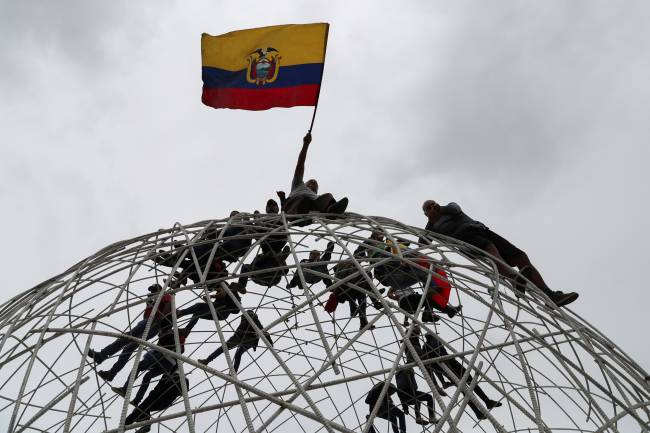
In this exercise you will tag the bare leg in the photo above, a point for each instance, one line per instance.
(522, 261)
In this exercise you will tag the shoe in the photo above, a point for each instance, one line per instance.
(452, 311)
(203, 361)
(481, 416)
(119, 390)
(420, 421)
(107, 375)
(428, 317)
(561, 299)
(446, 385)
(491, 404)
(134, 402)
(338, 207)
(98, 357)
(442, 392)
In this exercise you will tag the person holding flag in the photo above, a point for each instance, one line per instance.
(266, 67)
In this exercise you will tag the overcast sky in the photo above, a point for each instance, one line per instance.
(531, 115)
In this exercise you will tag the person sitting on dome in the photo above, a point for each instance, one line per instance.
(350, 293)
(276, 263)
(451, 221)
(161, 317)
(156, 363)
(245, 337)
(236, 238)
(304, 197)
(434, 347)
(387, 409)
(161, 397)
(408, 394)
(317, 264)
(223, 305)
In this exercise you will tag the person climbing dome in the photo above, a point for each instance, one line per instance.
(190, 269)
(451, 221)
(161, 397)
(397, 272)
(349, 292)
(156, 363)
(435, 348)
(161, 317)
(304, 197)
(408, 300)
(245, 337)
(439, 289)
(387, 409)
(414, 339)
(236, 238)
(223, 305)
(409, 395)
(371, 250)
(316, 264)
(270, 242)
(274, 263)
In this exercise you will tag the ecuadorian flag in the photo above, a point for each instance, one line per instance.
(257, 69)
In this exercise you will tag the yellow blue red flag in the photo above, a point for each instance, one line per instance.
(257, 69)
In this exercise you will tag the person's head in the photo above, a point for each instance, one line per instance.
(431, 209)
(272, 206)
(234, 213)
(251, 313)
(377, 235)
(314, 255)
(154, 288)
(313, 185)
(416, 330)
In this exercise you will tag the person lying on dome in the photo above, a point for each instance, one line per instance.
(276, 263)
(315, 263)
(304, 197)
(435, 348)
(409, 395)
(387, 409)
(161, 317)
(451, 221)
(408, 300)
(161, 397)
(350, 293)
(245, 337)
(223, 305)
(156, 363)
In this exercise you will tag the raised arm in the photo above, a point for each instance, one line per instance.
(300, 166)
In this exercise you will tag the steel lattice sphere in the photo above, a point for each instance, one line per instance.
(300, 355)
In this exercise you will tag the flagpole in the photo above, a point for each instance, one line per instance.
(313, 117)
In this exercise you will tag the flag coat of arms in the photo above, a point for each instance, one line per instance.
(257, 69)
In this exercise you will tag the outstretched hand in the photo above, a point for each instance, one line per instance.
(306, 139)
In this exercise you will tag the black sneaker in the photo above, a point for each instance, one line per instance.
(491, 404)
(106, 375)
(119, 390)
(98, 357)
(561, 299)
(339, 206)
